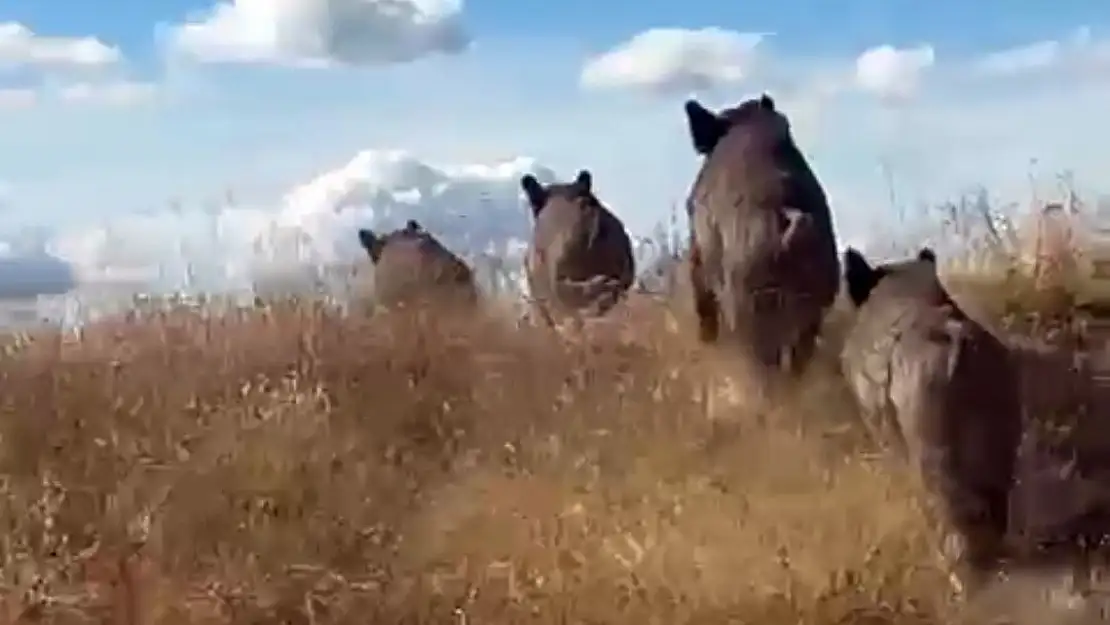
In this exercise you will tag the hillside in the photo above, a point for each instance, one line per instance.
(291, 465)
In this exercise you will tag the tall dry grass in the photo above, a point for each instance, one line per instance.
(292, 466)
(289, 465)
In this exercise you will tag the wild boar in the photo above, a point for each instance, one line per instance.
(580, 260)
(763, 261)
(412, 266)
(941, 391)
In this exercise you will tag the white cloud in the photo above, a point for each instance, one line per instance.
(1078, 54)
(473, 207)
(893, 74)
(667, 60)
(113, 93)
(19, 45)
(1035, 56)
(323, 32)
(48, 57)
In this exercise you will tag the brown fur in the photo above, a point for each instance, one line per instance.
(1062, 503)
(943, 391)
(580, 260)
(411, 265)
(763, 262)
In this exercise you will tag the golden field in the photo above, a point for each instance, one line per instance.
(291, 465)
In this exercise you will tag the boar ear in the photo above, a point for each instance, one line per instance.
(860, 276)
(705, 127)
(534, 192)
(927, 254)
(372, 243)
(584, 181)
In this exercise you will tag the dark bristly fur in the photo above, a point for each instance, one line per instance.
(763, 262)
(942, 391)
(411, 265)
(580, 260)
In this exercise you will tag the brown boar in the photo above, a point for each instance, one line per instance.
(580, 260)
(763, 262)
(943, 392)
(412, 266)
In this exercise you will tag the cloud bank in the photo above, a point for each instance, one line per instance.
(475, 208)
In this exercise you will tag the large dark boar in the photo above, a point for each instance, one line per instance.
(580, 260)
(411, 266)
(763, 260)
(942, 391)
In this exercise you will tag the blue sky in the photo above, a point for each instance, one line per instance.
(807, 26)
(200, 125)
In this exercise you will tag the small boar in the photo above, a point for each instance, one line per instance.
(763, 261)
(580, 260)
(411, 265)
(943, 392)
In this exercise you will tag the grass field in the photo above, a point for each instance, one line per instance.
(289, 465)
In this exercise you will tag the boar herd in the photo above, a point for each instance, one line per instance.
(939, 388)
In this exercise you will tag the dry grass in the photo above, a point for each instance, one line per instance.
(292, 466)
